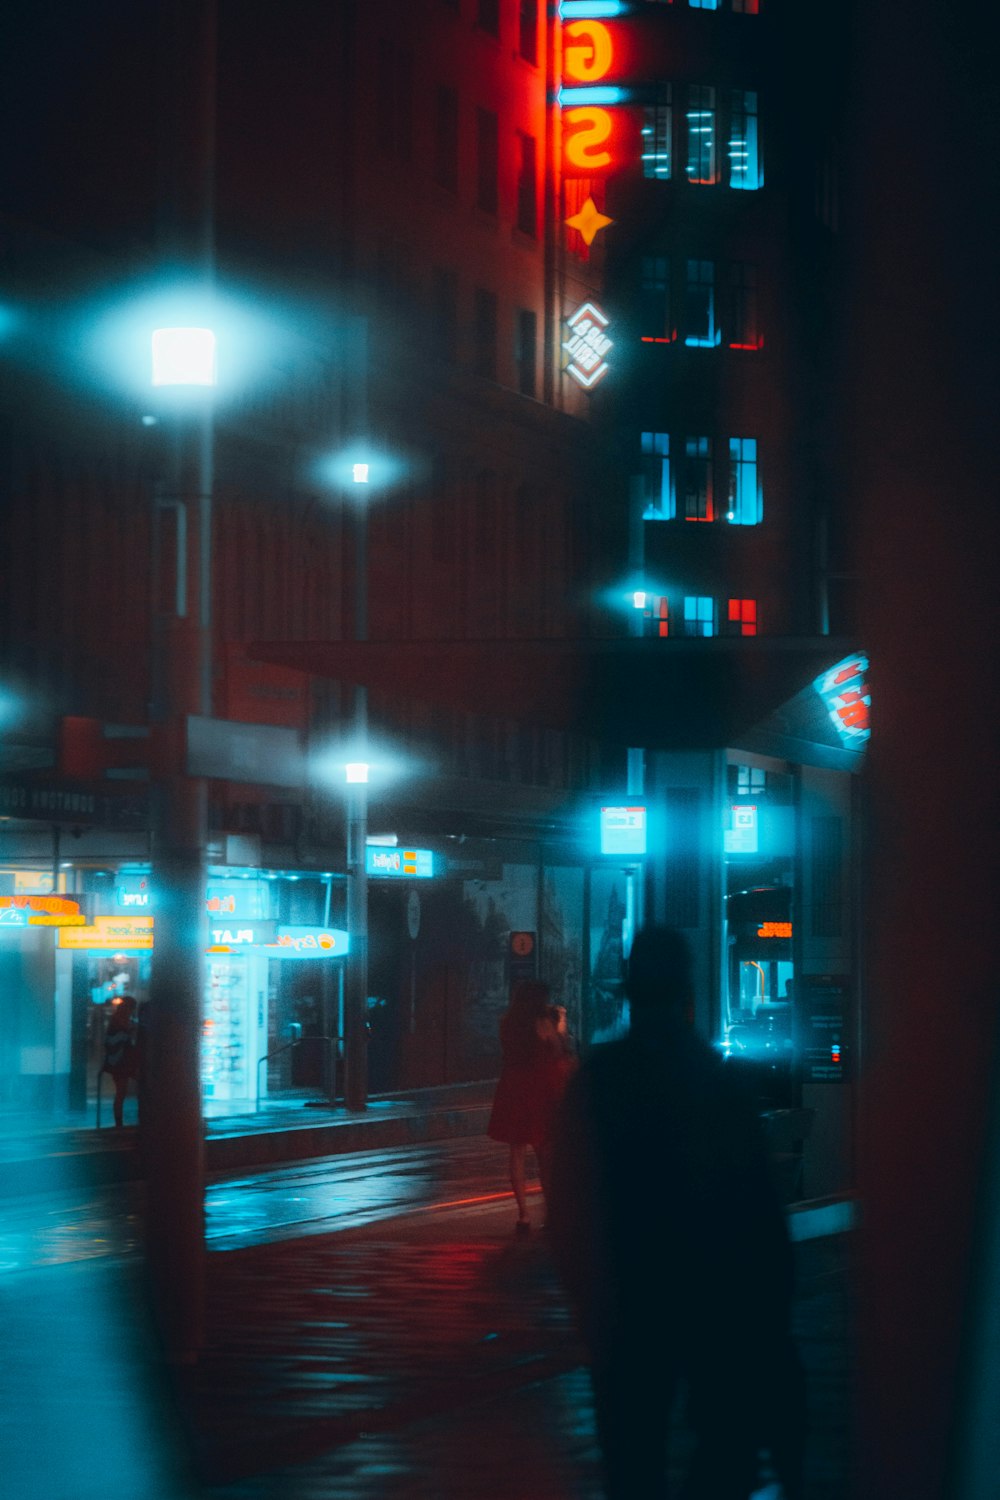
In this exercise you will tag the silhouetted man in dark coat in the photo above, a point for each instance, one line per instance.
(674, 1248)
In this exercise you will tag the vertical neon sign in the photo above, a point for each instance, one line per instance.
(585, 97)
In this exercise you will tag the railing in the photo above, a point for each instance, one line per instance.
(329, 1055)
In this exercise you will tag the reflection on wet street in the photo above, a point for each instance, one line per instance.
(335, 1193)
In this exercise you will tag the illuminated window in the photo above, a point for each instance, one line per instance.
(746, 169)
(394, 130)
(745, 503)
(746, 7)
(704, 4)
(526, 351)
(528, 30)
(444, 313)
(699, 615)
(751, 781)
(743, 329)
(699, 503)
(654, 300)
(657, 132)
(700, 117)
(658, 502)
(527, 197)
(742, 617)
(487, 161)
(446, 138)
(656, 616)
(700, 328)
(484, 358)
(488, 16)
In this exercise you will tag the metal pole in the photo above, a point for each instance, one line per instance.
(172, 1128)
(356, 992)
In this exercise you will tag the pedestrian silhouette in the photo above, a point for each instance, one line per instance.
(537, 1060)
(121, 1057)
(673, 1246)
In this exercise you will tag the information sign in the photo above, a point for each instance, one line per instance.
(623, 830)
(399, 864)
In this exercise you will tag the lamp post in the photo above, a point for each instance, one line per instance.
(356, 988)
(183, 362)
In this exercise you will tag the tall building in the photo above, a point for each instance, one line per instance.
(548, 291)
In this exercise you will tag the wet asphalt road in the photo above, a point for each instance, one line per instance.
(316, 1197)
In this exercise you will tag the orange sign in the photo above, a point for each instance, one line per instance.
(774, 930)
(110, 933)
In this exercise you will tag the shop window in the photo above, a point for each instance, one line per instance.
(527, 196)
(699, 615)
(658, 502)
(701, 330)
(444, 313)
(487, 161)
(485, 334)
(702, 165)
(744, 329)
(657, 133)
(741, 617)
(751, 781)
(746, 169)
(699, 501)
(526, 352)
(528, 30)
(745, 505)
(654, 300)
(446, 138)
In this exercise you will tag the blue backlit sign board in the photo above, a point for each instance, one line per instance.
(399, 864)
(741, 835)
(623, 830)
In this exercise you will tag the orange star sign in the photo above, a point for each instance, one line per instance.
(589, 221)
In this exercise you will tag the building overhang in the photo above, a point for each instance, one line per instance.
(658, 694)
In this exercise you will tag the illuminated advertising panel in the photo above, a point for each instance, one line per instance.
(844, 690)
(586, 343)
(741, 837)
(40, 911)
(108, 934)
(588, 95)
(623, 830)
(309, 942)
(399, 864)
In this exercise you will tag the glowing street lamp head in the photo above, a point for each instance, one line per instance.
(184, 356)
(357, 771)
(360, 472)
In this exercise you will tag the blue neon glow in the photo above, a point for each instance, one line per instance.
(572, 10)
(399, 864)
(595, 94)
(623, 830)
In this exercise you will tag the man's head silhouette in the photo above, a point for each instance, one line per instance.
(658, 973)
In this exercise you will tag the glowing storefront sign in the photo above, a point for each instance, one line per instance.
(844, 690)
(741, 837)
(400, 864)
(585, 96)
(225, 937)
(309, 942)
(109, 934)
(774, 930)
(587, 344)
(40, 911)
(623, 830)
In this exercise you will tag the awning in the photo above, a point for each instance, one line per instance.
(660, 694)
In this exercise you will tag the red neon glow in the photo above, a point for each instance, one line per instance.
(774, 930)
(664, 623)
(647, 338)
(588, 53)
(758, 345)
(589, 128)
(56, 906)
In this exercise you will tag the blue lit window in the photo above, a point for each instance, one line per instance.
(657, 132)
(746, 170)
(658, 502)
(699, 615)
(700, 117)
(699, 501)
(654, 300)
(746, 504)
(704, 4)
(700, 328)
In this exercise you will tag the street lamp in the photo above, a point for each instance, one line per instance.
(182, 360)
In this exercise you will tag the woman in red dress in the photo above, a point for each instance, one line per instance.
(536, 1065)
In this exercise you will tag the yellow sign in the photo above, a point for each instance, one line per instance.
(110, 933)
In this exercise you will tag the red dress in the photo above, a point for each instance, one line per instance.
(530, 1085)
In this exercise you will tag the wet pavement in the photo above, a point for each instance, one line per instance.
(404, 1345)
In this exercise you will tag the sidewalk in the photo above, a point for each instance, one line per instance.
(38, 1151)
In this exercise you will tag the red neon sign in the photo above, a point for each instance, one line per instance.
(588, 127)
